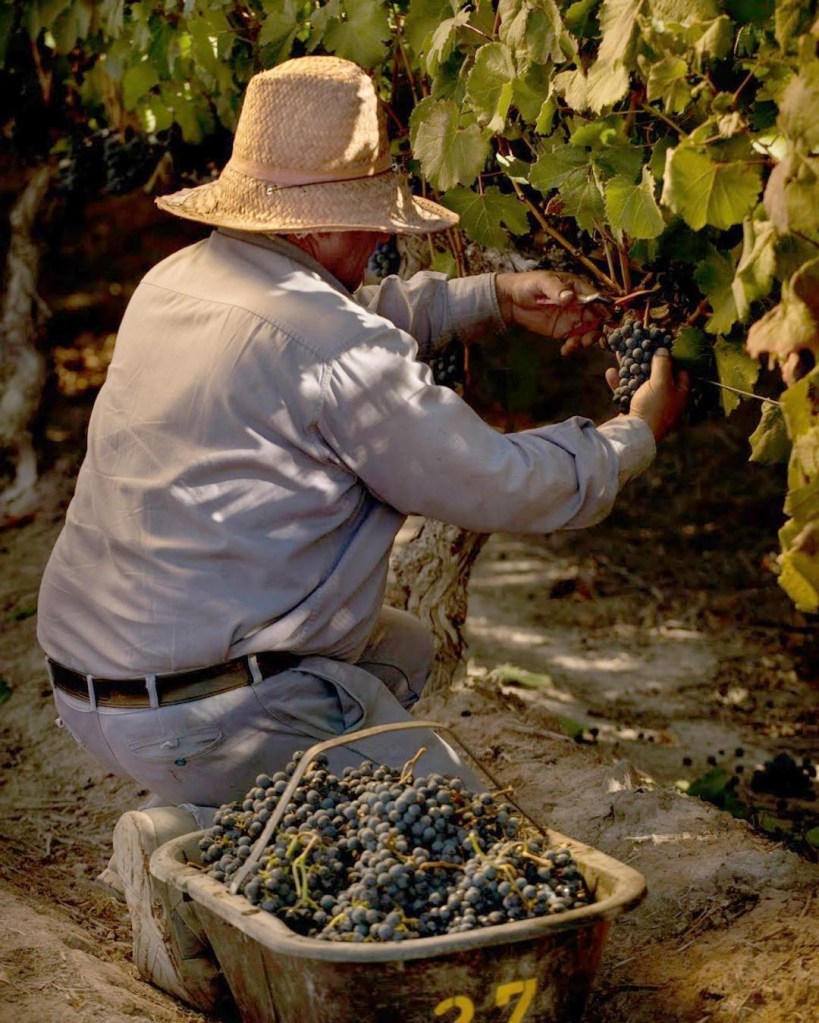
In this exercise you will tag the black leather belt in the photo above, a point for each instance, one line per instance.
(180, 687)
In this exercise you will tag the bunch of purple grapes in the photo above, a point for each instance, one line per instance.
(380, 855)
(635, 346)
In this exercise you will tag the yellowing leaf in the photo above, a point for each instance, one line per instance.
(769, 442)
(489, 85)
(794, 323)
(449, 155)
(488, 218)
(799, 578)
(704, 192)
(736, 369)
(442, 40)
(757, 265)
(534, 28)
(618, 25)
(799, 108)
(137, 81)
(667, 82)
(632, 208)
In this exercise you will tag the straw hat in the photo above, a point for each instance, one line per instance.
(310, 153)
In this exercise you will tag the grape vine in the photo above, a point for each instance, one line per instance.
(666, 148)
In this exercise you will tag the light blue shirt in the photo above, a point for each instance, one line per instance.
(259, 440)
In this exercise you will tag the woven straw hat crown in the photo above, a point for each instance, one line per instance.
(311, 152)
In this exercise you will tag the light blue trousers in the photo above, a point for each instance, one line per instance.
(208, 752)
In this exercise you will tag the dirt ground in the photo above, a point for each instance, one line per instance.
(605, 668)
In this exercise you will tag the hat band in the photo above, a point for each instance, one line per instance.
(287, 178)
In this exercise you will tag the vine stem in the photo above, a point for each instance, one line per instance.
(698, 313)
(658, 113)
(556, 236)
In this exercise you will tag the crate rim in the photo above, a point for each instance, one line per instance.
(169, 864)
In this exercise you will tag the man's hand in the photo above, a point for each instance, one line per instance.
(550, 304)
(661, 399)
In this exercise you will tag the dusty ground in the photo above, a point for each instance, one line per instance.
(658, 638)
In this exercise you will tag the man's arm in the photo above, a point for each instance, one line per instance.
(434, 310)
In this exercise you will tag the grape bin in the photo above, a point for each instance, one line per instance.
(527, 971)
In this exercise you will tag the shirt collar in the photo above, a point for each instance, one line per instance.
(277, 243)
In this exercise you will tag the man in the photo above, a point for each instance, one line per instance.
(214, 602)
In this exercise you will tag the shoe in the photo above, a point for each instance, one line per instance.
(169, 948)
(110, 881)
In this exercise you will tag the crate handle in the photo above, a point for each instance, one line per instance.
(343, 740)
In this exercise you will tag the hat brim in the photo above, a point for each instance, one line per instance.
(382, 202)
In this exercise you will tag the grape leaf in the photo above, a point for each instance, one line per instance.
(489, 85)
(794, 323)
(715, 276)
(792, 195)
(736, 369)
(611, 151)
(281, 22)
(799, 578)
(362, 36)
(757, 265)
(555, 165)
(799, 108)
(423, 17)
(138, 80)
(488, 218)
(667, 81)
(681, 11)
(449, 155)
(618, 26)
(442, 41)
(534, 28)
(693, 352)
(712, 39)
(632, 208)
(582, 199)
(705, 192)
(112, 14)
(800, 404)
(604, 86)
(769, 442)
(787, 14)
(531, 91)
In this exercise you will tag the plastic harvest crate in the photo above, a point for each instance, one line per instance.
(527, 971)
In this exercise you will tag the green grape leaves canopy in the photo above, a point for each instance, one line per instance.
(678, 136)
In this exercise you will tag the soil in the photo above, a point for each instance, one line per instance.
(607, 668)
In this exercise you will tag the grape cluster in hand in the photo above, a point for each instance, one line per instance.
(380, 855)
(449, 366)
(385, 260)
(635, 346)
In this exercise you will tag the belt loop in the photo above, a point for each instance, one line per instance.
(92, 696)
(255, 670)
(150, 685)
(50, 673)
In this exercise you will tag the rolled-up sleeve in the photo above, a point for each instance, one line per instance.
(434, 310)
(421, 449)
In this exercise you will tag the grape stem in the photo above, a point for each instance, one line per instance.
(409, 767)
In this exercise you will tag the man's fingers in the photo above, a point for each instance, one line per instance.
(612, 377)
(661, 369)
